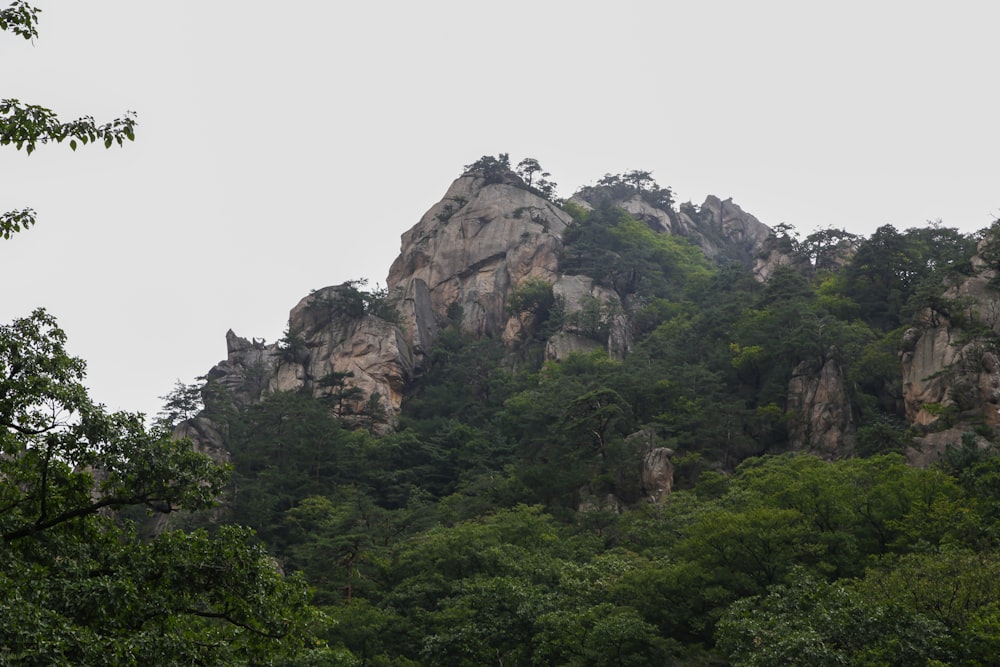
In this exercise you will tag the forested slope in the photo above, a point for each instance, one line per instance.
(607, 430)
(665, 437)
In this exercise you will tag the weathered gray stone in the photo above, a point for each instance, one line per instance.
(932, 351)
(656, 219)
(592, 312)
(563, 344)
(736, 227)
(658, 474)
(372, 350)
(770, 258)
(589, 502)
(468, 258)
(245, 372)
(722, 229)
(819, 409)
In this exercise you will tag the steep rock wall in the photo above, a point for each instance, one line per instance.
(950, 364)
(594, 319)
(459, 264)
(466, 254)
(820, 419)
(369, 354)
(372, 351)
(736, 231)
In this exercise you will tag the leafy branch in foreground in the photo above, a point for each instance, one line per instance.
(27, 125)
(24, 126)
(12, 222)
(21, 19)
(81, 586)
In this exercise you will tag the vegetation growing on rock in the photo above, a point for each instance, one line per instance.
(505, 520)
(453, 470)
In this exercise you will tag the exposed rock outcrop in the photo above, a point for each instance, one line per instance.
(930, 447)
(927, 357)
(563, 344)
(246, 371)
(951, 371)
(368, 351)
(658, 474)
(948, 377)
(593, 315)
(737, 233)
(659, 220)
(332, 346)
(950, 367)
(207, 436)
(771, 256)
(466, 254)
(589, 503)
(459, 265)
(819, 408)
(722, 229)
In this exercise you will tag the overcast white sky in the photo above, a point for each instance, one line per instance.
(283, 147)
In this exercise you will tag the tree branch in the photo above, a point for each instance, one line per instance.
(225, 616)
(93, 508)
(20, 18)
(26, 125)
(12, 222)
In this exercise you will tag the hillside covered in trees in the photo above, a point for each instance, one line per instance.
(602, 430)
(610, 430)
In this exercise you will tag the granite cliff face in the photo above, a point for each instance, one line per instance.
(819, 408)
(459, 265)
(950, 364)
(333, 349)
(466, 254)
(335, 337)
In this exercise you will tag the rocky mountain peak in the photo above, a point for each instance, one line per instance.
(468, 262)
(463, 257)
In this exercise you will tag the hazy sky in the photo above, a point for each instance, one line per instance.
(283, 147)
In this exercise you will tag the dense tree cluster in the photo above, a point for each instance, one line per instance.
(634, 183)
(458, 540)
(612, 247)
